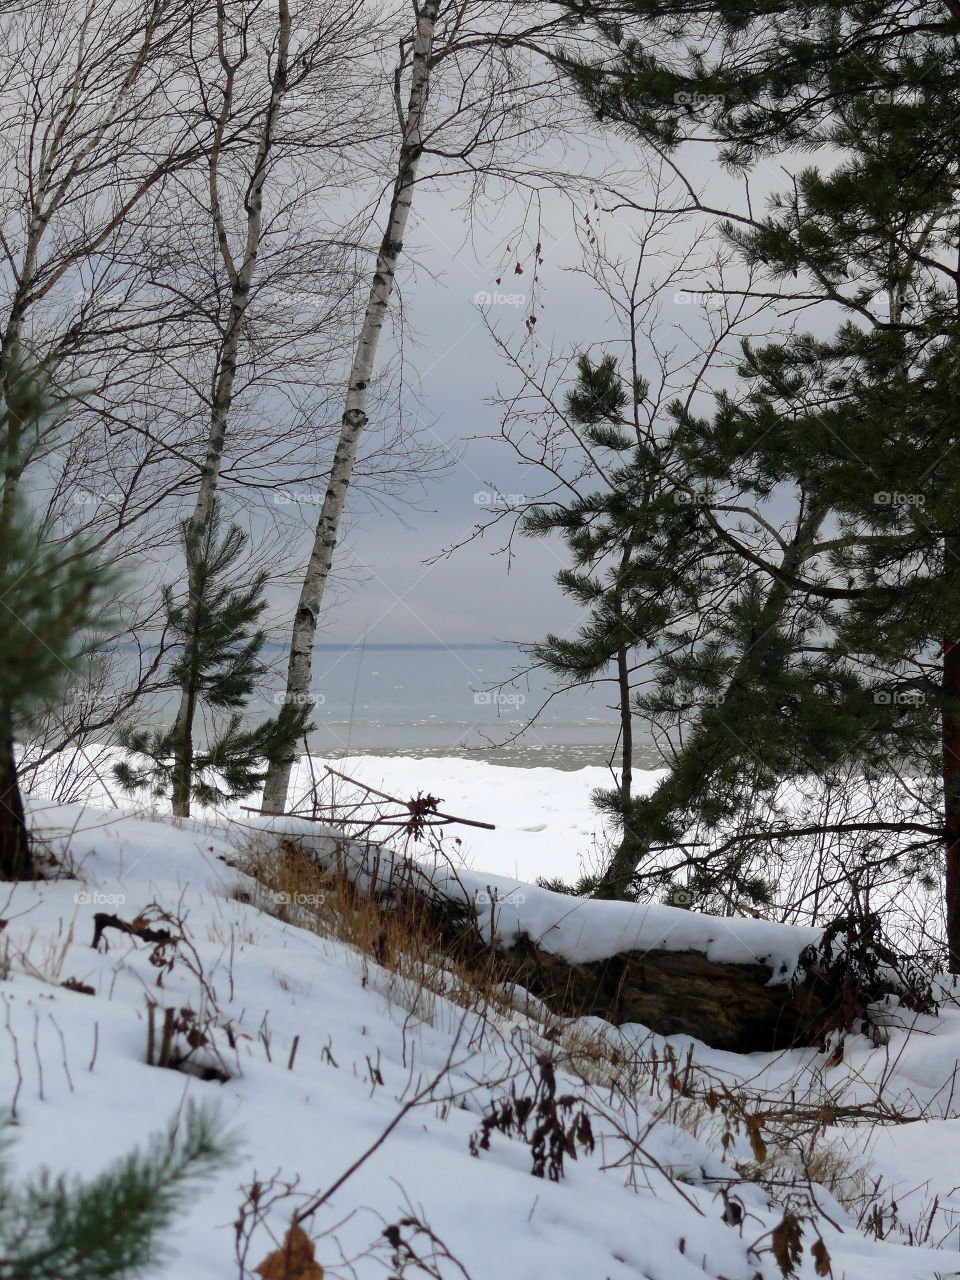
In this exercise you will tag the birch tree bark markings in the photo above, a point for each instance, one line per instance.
(354, 419)
(240, 278)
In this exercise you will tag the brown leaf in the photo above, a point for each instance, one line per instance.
(786, 1240)
(759, 1147)
(294, 1261)
(74, 984)
(821, 1259)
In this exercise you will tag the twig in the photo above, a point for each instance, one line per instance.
(422, 1093)
(103, 920)
(440, 819)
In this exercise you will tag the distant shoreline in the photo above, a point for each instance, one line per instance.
(372, 646)
(565, 756)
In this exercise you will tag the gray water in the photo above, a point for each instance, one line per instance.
(438, 700)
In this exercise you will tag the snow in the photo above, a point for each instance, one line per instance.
(578, 930)
(84, 1094)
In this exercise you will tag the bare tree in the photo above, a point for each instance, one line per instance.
(234, 48)
(86, 95)
(476, 87)
(93, 126)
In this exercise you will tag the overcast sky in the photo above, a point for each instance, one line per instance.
(471, 597)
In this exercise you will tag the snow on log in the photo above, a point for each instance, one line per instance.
(733, 983)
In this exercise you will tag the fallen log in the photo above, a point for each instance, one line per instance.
(738, 1006)
(726, 1005)
(672, 972)
(741, 1006)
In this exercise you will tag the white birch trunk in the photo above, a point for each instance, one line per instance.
(354, 419)
(241, 278)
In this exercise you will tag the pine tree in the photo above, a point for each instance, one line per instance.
(875, 233)
(600, 530)
(717, 651)
(106, 1228)
(54, 600)
(216, 670)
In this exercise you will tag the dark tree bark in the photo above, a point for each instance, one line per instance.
(16, 860)
(950, 724)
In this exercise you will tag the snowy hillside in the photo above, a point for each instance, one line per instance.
(331, 1055)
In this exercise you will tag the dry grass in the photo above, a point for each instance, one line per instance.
(426, 961)
(429, 967)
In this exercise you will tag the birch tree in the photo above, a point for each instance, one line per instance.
(487, 102)
(298, 48)
(239, 273)
(87, 91)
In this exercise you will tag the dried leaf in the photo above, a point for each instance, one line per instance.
(585, 1132)
(294, 1261)
(787, 1243)
(821, 1259)
(757, 1144)
(74, 984)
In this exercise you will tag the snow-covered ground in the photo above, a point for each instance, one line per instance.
(545, 822)
(73, 1067)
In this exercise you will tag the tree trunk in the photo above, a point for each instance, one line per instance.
(950, 730)
(300, 665)
(16, 860)
(182, 779)
(675, 792)
(199, 526)
(690, 770)
(626, 724)
(626, 728)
